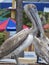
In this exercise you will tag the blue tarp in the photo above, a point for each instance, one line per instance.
(40, 6)
(5, 5)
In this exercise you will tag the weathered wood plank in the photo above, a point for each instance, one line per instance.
(27, 60)
(7, 64)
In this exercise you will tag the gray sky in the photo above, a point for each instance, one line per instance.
(5, 0)
(26, 0)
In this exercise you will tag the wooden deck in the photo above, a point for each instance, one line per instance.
(21, 64)
(7, 64)
(24, 61)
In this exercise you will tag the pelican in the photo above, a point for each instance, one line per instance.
(26, 37)
(41, 42)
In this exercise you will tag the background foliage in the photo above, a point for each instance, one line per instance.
(2, 37)
(26, 21)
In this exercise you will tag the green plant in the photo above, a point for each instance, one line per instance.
(2, 37)
(26, 20)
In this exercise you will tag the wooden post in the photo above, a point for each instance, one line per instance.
(30, 48)
(12, 10)
(13, 4)
(13, 14)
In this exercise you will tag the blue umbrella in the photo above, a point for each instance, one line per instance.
(11, 26)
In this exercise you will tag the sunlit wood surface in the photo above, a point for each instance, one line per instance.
(7, 64)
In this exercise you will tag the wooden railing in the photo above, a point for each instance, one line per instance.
(23, 61)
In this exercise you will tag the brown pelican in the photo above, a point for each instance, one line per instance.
(41, 42)
(24, 38)
(19, 41)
